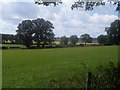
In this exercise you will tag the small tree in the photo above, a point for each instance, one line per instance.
(64, 40)
(73, 39)
(86, 38)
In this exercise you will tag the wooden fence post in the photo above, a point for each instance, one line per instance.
(88, 81)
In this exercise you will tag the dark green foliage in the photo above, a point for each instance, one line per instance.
(38, 30)
(86, 38)
(113, 32)
(106, 77)
(9, 38)
(14, 47)
(64, 40)
(26, 39)
(81, 45)
(102, 39)
(118, 7)
(24, 32)
(73, 39)
(3, 47)
(73, 81)
(42, 32)
(89, 5)
(47, 3)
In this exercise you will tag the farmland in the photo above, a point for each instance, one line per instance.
(34, 68)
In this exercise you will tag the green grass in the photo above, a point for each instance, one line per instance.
(35, 68)
(12, 45)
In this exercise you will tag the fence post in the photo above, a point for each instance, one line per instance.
(88, 81)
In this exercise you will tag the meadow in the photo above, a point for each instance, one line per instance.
(34, 68)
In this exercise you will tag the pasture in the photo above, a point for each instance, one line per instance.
(34, 68)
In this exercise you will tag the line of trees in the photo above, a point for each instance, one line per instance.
(74, 39)
(39, 33)
(9, 38)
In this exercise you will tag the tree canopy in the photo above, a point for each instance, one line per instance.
(73, 39)
(64, 40)
(86, 38)
(102, 39)
(38, 30)
(88, 5)
(113, 32)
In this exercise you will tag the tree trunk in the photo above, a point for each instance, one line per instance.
(38, 44)
(89, 81)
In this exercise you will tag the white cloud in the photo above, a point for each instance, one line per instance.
(101, 19)
(65, 21)
(8, 27)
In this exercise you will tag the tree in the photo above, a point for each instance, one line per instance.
(113, 32)
(73, 39)
(37, 30)
(64, 40)
(24, 32)
(86, 38)
(88, 5)
(47, 3)
(102, 39)
(42, 32)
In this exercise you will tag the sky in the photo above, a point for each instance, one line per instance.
(65, 21)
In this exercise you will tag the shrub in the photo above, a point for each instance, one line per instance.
(81, 44)
(14, 47)
(3, 47)
(106, 77)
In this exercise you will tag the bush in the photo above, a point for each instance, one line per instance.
(107, 44)
(3, 47)
(94, 45)
(72, 82)
(14, 47)
(81, 44)
(106, 77)
(59, 46)
(32, 47)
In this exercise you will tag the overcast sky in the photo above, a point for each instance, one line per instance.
(66, 21)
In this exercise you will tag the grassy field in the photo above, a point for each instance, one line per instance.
(35, 68)
(12, 45)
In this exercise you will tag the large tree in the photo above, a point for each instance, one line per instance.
(37, 30)
(113, 32)
(102, 39)
(24, 32)
(86, 38)
(73, 39)
(42, 32)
